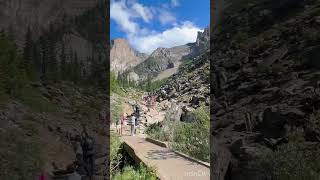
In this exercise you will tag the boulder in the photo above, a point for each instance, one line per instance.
(272, 125)
(174, 112)
(311, 57)
(220, 160)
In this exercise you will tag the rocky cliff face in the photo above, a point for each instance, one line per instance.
(77, 25)
(265, 82)
(18, 15)
(123, 57)
(203, 39)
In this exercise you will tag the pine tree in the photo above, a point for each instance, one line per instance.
(13, 77)
(44, 57)
(148, 86)
(27, 61)
(75, 69)
(69, 62)
(52, 62)
(36, 56)
(63, 63)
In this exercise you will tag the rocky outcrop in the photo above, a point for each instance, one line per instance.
(265, 79)
(123, 57)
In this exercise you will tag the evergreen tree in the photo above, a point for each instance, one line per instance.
(75, 69)
(63, 63)
(13, 77)
(148, 86)
(28, 63)
(52, 62)
(36, 56)
(69, 62)
(44, 57)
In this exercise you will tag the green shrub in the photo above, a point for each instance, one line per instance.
(139, 173)
(193, 138)
(189, 138)
(115, 155)
(295, 160)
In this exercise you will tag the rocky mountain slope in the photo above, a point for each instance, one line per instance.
(64, 46)
(187, 89)
(123, 57)
(41, 127)
(265, 84)
(161, 63)
(163, 59)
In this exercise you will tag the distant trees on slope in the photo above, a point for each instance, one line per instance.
(46, 59)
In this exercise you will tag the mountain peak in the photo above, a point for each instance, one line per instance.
(123, 56)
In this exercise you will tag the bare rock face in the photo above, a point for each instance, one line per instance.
(122, 56)
(203, 37)
(17, 15)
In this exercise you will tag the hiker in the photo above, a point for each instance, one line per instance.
(123, 118)
(137, 115)
(117, 126)
(80, 166)
(132, 123)
(87, 145)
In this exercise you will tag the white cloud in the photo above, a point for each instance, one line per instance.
(145, 40)
(166, 17)
(178, 35)
(122, 16)
(175, 3)
(144, 12)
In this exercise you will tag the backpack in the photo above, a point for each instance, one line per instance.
(137, 112)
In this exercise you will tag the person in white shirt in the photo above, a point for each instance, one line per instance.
(133, 123)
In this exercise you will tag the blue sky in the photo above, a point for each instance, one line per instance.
(149, 24)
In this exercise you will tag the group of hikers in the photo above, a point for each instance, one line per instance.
(149, 100)
(132, 120)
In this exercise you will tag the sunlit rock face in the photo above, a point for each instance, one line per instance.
(123, 57)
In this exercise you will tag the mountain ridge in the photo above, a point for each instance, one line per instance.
(163, 60)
